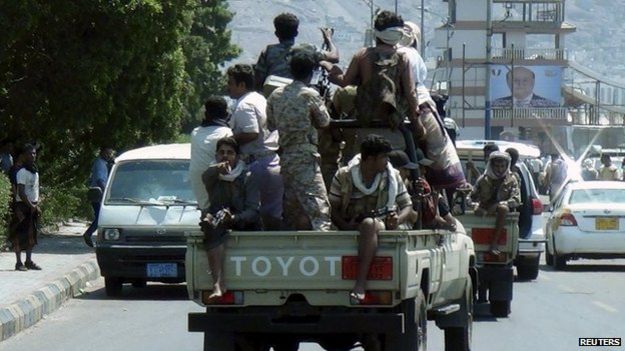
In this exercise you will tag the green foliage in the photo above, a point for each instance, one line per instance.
(59, 204)
(205, 48)
(5, 196)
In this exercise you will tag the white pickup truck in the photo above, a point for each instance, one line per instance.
(286, 287)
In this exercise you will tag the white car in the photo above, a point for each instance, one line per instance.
(587, 221)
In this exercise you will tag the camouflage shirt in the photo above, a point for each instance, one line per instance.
(274, 60)
(489, 192)
(296, 110)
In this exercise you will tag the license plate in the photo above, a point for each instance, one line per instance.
(162, 270)
(606, 223)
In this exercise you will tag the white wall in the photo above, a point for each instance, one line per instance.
(471, 10)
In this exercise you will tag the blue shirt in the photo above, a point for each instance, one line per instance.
(99, 173)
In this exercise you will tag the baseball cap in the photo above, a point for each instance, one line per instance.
(399, 159)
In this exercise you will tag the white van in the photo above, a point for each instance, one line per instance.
(531, 236)
(147, 206)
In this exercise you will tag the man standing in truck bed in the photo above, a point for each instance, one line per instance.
(296, 110)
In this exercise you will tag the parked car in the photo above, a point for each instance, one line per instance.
(586, 221)
(531, 236)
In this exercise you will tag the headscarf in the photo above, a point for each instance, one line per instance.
(412, 34)
(589, 164)
(391, 36)
(497, 155)
(234, 173)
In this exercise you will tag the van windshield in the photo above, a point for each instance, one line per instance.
(151, 182)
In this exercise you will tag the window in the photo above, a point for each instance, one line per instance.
(614, 196)
(151, 180)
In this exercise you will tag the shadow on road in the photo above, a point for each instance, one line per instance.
(481, 313)
(587, 267)
(152, 292)
(61, 245)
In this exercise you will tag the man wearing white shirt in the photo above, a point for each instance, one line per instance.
(258, 145)
(26, 212)
(203, 143)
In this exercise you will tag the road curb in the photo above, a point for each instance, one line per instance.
(31, 309)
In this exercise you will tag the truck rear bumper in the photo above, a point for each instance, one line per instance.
(324, 324)
(131, 262)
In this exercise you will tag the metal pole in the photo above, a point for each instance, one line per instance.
(422, 30)
(489, 35)
(395, 6)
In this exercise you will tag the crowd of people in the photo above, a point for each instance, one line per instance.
(275, 162)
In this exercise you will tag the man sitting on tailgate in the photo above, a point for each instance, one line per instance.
(369, 195)
(497, 192)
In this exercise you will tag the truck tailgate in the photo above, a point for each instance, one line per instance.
(481, 229)
(284, 262)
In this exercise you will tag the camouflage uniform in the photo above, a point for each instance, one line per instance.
(295, 110)
(489, 192)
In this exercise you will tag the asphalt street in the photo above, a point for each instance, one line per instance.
(551, 313)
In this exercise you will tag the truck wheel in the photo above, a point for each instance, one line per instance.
(459, 338)
(500, 309)
(559, 262)
(217, 341)
(287, 345)
(415, 337)
(113, 286)
(527, 269)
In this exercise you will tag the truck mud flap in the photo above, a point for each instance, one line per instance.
(498, 280)
(264, 323)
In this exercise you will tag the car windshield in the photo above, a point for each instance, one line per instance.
(597, 196)
(151, 182)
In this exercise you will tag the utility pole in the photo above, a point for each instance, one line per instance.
(489, 37)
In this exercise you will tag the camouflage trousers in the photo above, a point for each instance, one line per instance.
(305, 195)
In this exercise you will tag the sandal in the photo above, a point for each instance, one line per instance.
(32, 265)
(356, 298)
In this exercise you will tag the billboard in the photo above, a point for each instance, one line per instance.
(525, 86)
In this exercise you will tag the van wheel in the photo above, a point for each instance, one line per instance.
(548, 256)
(500, 309)
(415, 337)
(459, 338)
(113, 286)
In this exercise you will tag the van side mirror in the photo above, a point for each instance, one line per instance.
(94, 194)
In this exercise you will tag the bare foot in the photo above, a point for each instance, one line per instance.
(217, 294)
(357, 295)
(494, 251)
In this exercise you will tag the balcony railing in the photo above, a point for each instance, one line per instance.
(554, 113)
(531, 11)
(530, 54)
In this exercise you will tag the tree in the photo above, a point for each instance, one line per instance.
(206, 47)
(76, 74)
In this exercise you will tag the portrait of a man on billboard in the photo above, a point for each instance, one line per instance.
(522, 89)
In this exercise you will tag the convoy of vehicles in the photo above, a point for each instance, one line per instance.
(586, 221)
(146, 208)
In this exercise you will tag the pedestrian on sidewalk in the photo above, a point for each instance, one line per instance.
(6, 157)
(99, 175)
(26, 210)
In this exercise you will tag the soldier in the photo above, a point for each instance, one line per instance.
(497, 192)
(273, 60)
(296, 110)
(369, 195)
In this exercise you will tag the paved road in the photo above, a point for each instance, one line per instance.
(548, 314)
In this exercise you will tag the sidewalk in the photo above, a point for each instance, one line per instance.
(67, 265)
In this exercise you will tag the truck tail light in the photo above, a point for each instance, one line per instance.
(482, 236)
(537, 207)
(381, 268)
(568, 220)
(375, 298)
(228, 298)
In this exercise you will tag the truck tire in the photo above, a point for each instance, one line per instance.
(500, 309)
(139, 283)
(219, 341)
(287, 345)
(527, 268)
(113, 286)
(415, 337)
(548, 257)
(459, 338)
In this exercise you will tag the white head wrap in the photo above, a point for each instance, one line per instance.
(412, 34)
(497, 155)
(390, 36)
